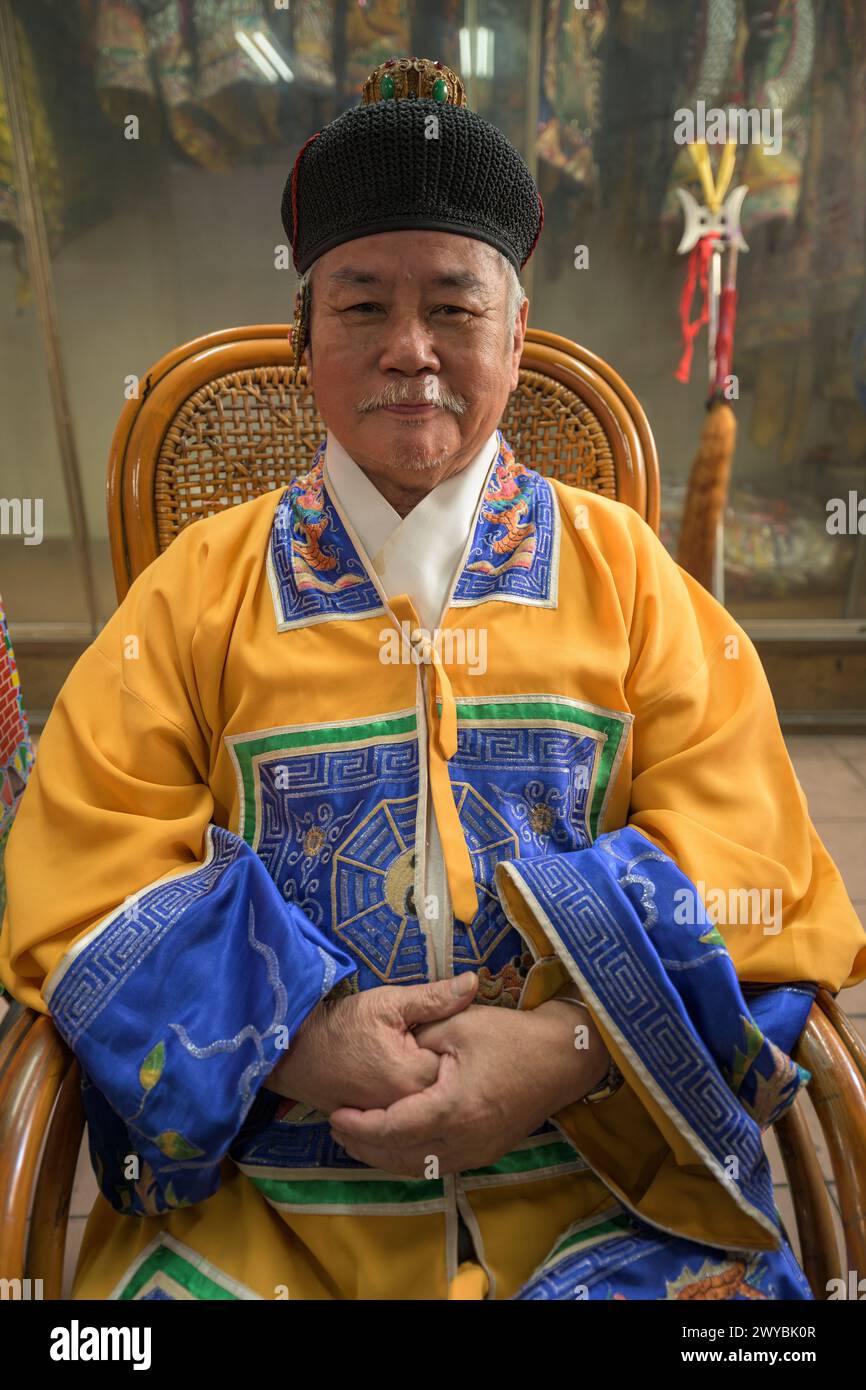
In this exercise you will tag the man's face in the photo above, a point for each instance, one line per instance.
(418, 317)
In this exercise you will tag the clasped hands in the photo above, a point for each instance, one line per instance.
(411, 1072)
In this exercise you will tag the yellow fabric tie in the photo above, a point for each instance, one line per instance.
(470, 1281)
(442, 743)
(714, 188)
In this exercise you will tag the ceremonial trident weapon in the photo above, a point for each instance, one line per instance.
(711, 228)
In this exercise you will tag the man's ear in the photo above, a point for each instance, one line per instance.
(517, 344)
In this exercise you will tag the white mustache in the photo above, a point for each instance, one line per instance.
(400, 393)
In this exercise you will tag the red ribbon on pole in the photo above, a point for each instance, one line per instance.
(699, 261)
(725, 338)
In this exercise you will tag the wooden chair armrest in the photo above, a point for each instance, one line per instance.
(838, 1092)
(819, 1248)
(29, 1087)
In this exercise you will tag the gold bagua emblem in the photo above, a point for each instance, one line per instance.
(400, 885)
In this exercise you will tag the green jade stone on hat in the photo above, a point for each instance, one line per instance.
(420, 78)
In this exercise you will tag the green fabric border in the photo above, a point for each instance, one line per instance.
(527, 1160)
(333, 1192)
(184, 1273)
(362, 1192)
(248, 748)
(614, 1226)
(613, 726)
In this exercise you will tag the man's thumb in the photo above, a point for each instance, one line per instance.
(439, 999)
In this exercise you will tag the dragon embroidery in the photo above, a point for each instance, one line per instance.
(506, 504)
(309, 522)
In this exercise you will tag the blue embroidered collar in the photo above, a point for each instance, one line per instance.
(318, 572)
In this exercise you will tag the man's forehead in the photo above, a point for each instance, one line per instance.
(459, 263)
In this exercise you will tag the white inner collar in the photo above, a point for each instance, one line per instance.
(417, 554)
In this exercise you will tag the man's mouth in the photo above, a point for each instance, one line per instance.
(413, 408)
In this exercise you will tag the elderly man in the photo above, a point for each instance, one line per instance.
(367, 858)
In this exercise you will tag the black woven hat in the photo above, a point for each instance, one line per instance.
(423, 161)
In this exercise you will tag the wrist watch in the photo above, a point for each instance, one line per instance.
(613, 1077)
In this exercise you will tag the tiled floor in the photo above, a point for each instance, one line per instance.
(832, 772)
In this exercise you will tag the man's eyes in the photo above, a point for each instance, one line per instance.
(449, 310)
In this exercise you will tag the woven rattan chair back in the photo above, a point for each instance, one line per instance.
(218, 421)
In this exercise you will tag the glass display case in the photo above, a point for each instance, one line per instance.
(143, 149)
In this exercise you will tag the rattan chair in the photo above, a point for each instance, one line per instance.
(217, 422)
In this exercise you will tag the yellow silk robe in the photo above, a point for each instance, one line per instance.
(240, 687)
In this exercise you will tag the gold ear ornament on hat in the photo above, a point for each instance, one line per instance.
(299, 331)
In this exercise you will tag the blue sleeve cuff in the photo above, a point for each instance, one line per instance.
(633, 933)
(178, 1006)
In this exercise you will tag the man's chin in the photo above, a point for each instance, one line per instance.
(418, 463)
(421, 450)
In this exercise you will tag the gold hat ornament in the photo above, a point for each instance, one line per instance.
(422, 78)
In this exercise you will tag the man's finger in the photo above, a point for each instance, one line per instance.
(433, 1036)
(413, 1120)
(345, 1117)
(425, 1065)
(438, 999)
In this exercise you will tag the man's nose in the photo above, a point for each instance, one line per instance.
(407, 346)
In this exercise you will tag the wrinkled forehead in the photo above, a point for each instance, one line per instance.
(422, 260)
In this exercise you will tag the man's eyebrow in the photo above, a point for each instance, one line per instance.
(459, 280)
(449, 280)
(349, 276)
